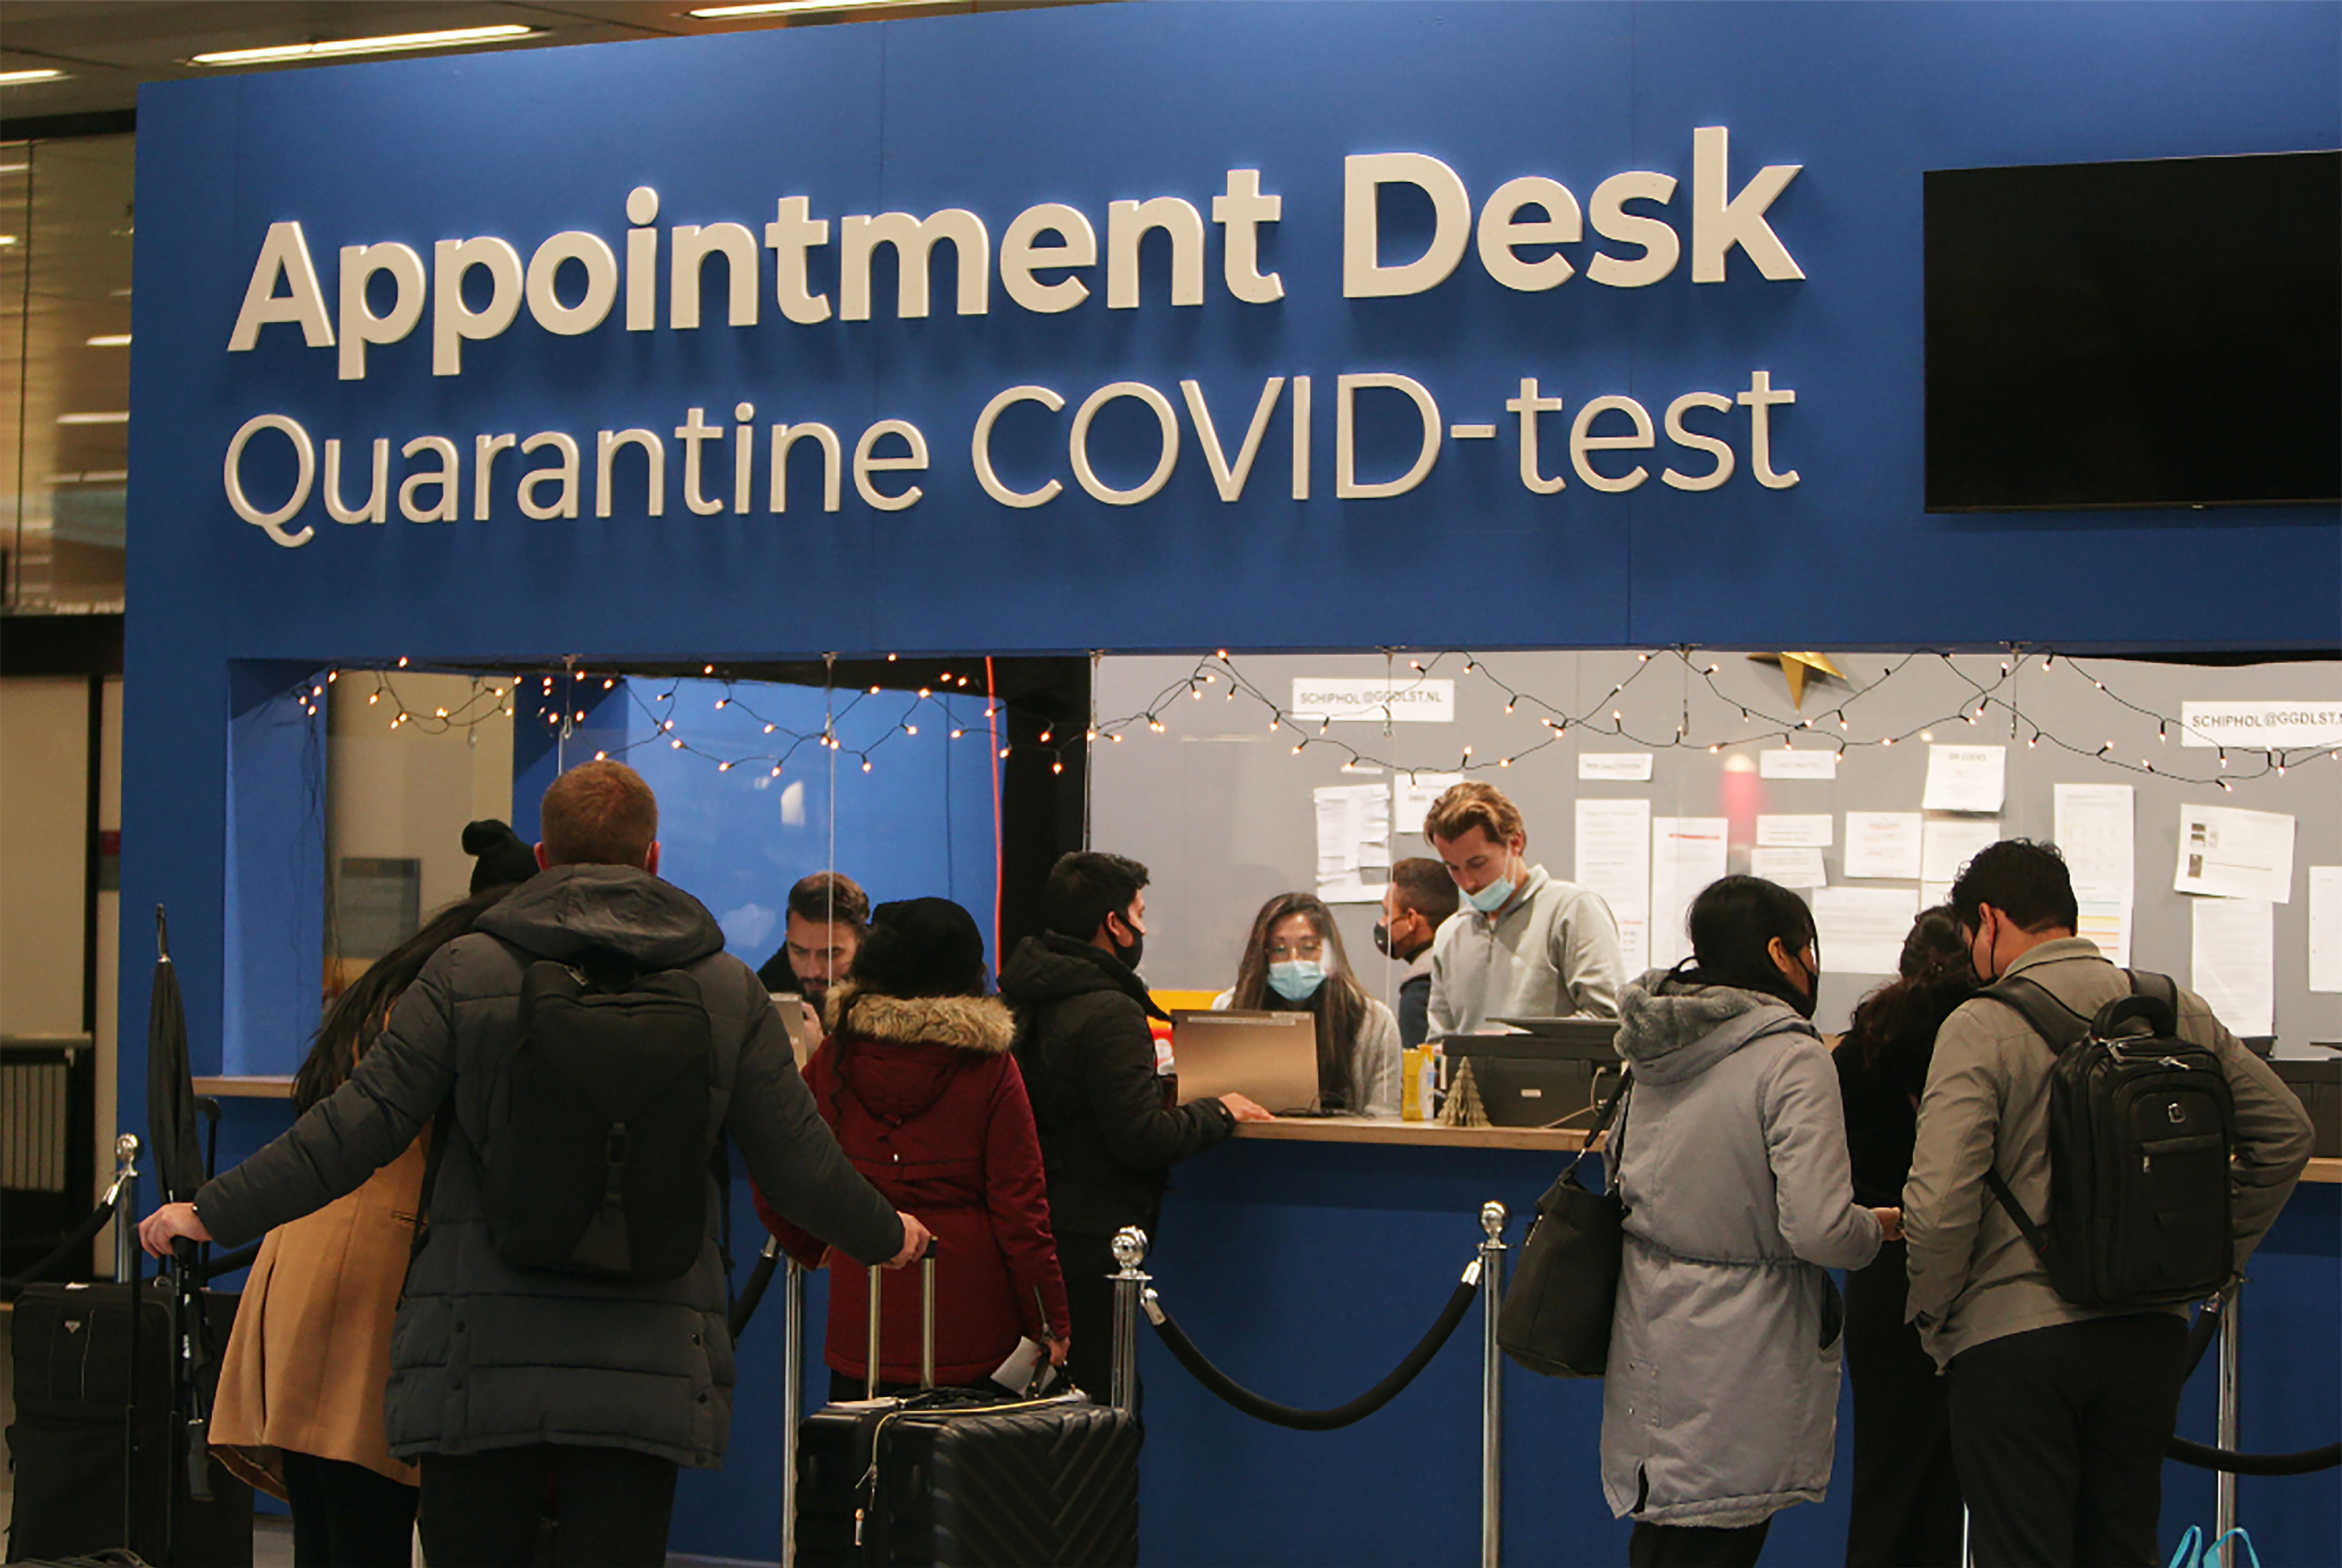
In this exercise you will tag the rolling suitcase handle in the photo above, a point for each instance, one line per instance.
(926, 1325)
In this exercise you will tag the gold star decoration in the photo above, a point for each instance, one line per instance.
(1794, 669)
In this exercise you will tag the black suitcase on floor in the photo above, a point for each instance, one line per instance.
(954, 1478)
(70, 1357)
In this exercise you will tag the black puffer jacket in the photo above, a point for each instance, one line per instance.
(1088, 1061)
(485, 1355)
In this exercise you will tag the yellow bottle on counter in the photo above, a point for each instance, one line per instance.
(1418, 1072)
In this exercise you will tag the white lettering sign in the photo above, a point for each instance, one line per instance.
(2288, 722)
(1415, 701)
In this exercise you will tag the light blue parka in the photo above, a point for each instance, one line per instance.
(1720, 1406)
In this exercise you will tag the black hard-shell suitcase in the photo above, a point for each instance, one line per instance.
(70, 1354)
(952, 1478)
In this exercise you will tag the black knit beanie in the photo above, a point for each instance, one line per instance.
(921, 947)
(505, 860)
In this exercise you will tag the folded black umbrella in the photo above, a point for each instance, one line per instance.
(178, 1151)
(171, 1133)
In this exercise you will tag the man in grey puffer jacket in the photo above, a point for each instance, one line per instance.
(504, 1379)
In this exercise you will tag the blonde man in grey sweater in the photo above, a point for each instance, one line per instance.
(2060, 1414)
(1525, 944)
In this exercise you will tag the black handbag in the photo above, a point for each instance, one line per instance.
(1555, 1318)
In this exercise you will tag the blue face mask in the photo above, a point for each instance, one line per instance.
(1298, 980)
(1491, 898)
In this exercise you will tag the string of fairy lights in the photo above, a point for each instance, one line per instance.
(1989, 704)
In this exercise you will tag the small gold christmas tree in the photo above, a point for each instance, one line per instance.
(1462, 1108)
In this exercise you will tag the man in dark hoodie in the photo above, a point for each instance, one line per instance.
(1108, 1140)
(507, 1380)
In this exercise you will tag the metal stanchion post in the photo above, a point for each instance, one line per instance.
(793, 1349)
(127, 1270)
(1492, 1384)
(2224, 1504)
(1129, 1280)
(125, 1210)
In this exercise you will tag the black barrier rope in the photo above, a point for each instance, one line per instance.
(2203, 1456)
(83, 1235)
(1176, 1342)
(229, 1262)
(744, 1306)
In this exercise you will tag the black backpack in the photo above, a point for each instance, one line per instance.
(598, 1156)
(2141, 1125)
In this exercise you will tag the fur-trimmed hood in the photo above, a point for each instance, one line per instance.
(900, 1054)
(978, 1023)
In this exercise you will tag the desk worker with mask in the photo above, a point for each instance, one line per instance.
(1417, 901)
(1527, 944)
(1294, 962)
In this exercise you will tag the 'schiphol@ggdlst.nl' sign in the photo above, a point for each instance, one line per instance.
(1529, 235)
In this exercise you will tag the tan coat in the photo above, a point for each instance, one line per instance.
(1974, 1276)
(305, 1366)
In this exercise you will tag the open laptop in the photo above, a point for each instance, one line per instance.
(1271, 1057)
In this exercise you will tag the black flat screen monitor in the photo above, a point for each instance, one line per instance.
(2164, 333)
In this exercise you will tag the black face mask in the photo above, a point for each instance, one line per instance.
(1131, 954)
(1382, 939)
(1803, 1005)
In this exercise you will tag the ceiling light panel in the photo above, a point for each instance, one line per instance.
(388, 43)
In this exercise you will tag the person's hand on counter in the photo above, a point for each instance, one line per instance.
(1244, 1108)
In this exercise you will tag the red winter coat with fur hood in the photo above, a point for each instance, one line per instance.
(928, 1103)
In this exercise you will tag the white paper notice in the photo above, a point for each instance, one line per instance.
(2232, 854)
(1791, 865)
(1802, 831)
(1794, 764)
(1932, 893)
(1882, 843)
(2326, 928)
(1687, 852)
(2235, 962)
(2094, 831)
(1613, 859)
(1624, 768)
(1353, 835)
(1965, 778)
(1412, 796)
(1862, 928)
(1946, 843)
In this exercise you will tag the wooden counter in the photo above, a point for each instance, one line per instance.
(1298, 1129)
(1431, 1134)
(1390, 1130)
(253, 1086)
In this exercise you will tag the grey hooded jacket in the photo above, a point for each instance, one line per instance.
(1720, 1405)
(485, 1355)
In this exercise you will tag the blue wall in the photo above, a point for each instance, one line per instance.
(917, 822)
(1085, 106)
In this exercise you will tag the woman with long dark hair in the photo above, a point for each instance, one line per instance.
(1907, 1493)
(1294, 961)
(1720, 1402)
(300, 1406)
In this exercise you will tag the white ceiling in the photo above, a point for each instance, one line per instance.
(107, 47)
